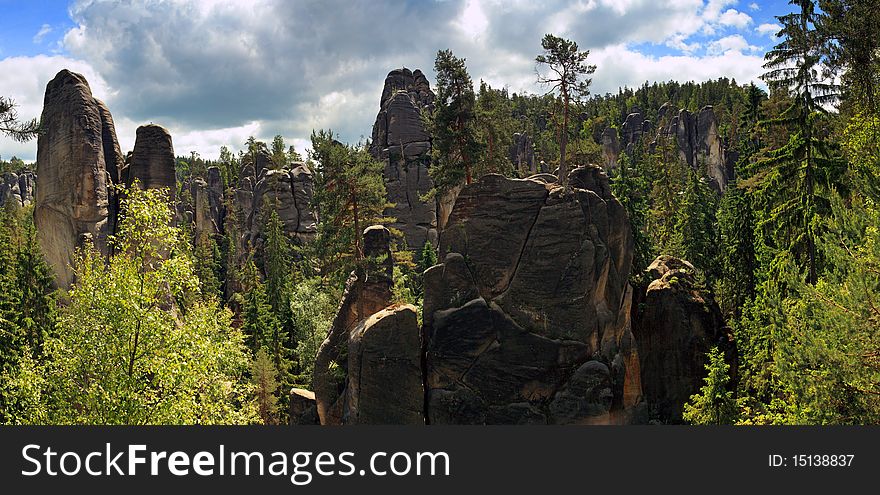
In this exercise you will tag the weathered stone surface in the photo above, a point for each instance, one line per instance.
(17, 187)
(367, 291)
(289, 193)
(401, 140)
(527, 318)
(610, 148)
(77, 155)
(385, 369)
(676, 325)
(152, 161)
(303, 410)
(522, 154)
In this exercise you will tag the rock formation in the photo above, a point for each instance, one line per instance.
(385, 369)
(303, 410)
(78, 158)
(153, 161)
(206, 211)
(367, 292)
(289, 193)
(522, 154)
(676, 325)
(527, 320)
(610, 148)
(17, 187)
(402, 142)
(695, 136)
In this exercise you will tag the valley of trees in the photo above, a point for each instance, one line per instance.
(183, 328)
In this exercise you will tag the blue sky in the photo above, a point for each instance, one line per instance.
(217, 71)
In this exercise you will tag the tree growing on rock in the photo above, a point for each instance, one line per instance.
(566, 65)
(455, 147)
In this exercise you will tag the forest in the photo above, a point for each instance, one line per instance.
(177, 324)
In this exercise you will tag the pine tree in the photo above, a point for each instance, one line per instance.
(695, 237)
(349, 196)
(494, 125)
(10, 125)
(567, 64)
(737, 260)
(455, 149)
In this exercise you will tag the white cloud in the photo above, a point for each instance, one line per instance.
(768, 29)
(213, 72)
(44, 30)
(619, 66)
(733, 43)
(754, 6)
(735, 18)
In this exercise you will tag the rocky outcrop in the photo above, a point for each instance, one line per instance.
(610, 148)
(384, 384)
(17, 187)
(527, 320)
(303, 410)
(696, 138)
(289, 193)
(676, 325)
(152, 161)
(402, 142)
(367, 291)
(206, 209)
(522, 154)
(78, 158)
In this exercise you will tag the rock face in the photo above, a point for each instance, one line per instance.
(78, 158)
(527, 320)
(303, 410)
(522, 154)
(207, 211)
(610, 148)
(401, 140)
(152, 161)
(696, 137)
(289, 193)
(678, 323)
(367, 292)
(385, 370)
(17, 187)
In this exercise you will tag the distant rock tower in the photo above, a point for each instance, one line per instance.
(402, 141)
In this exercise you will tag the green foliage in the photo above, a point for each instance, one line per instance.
(736, 250)
(312, 307)
(715, 404)
(349, 196)
(263, 378)
(695, 238)
(135, 345)
(495, 128)
(455, 148)
(630, 187)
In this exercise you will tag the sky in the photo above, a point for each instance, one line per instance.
(217, 71)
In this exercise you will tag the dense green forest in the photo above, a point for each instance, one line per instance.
(791, 250)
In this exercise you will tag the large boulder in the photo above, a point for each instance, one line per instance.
(527, 320)
(402, 141)
(78, 158)
(385, 369)
(152, 161)
(676, 325)
(303, 410)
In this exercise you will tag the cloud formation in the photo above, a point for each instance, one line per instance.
(215, 71)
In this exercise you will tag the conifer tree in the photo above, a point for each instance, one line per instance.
(715, 404)
(567, 65)
(455, 149)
